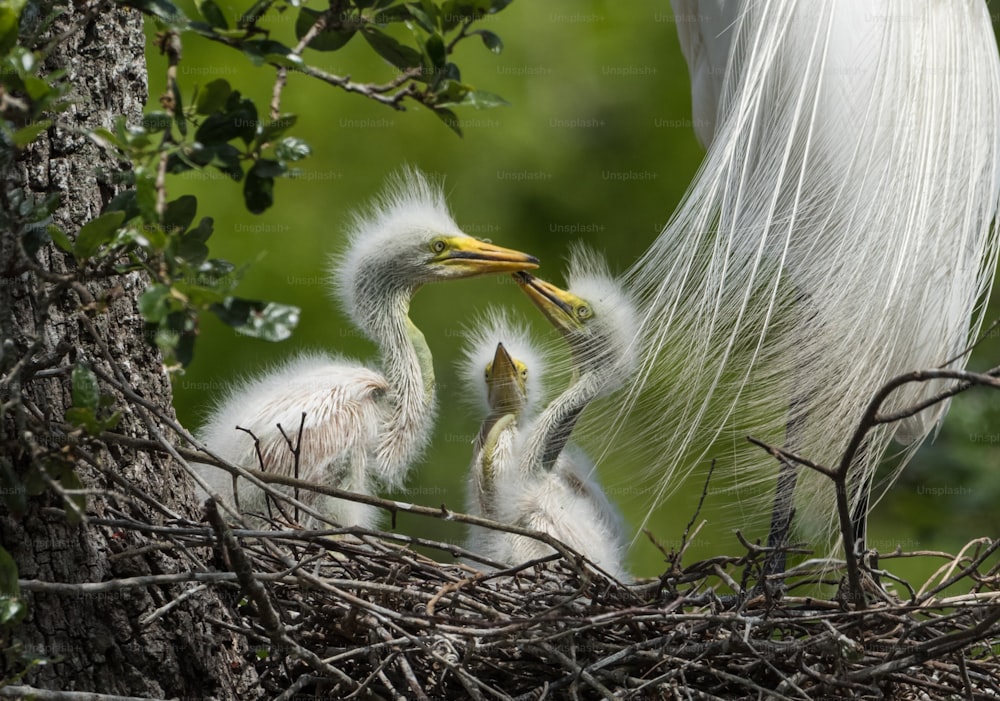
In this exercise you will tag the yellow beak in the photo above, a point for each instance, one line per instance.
(556, 304)
(505, 383)
(477, 257)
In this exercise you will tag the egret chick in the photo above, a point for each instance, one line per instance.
(363, 425)
(553, 488)
(503, 368)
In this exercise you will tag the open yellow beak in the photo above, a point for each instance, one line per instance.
(505, 383)
(556, 304)
(477, 257)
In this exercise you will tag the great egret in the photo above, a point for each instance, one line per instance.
(839, 232)
(550, 486)
(362, 424)
(504, 367)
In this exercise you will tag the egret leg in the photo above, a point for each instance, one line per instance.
(784, 493)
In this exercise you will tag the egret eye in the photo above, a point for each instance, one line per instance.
(584, 312)
(438, 245)
(524, 373)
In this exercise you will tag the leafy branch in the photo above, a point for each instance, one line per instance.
(426, 73)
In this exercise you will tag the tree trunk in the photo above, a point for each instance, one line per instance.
(94, 642)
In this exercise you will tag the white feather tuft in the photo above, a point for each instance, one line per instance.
(500, 326)
(410, 204)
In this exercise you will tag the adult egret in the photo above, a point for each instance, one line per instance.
(533, 477)
(362, 424)
(839, 232)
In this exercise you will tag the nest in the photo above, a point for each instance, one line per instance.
(351, 613)
(361, 614)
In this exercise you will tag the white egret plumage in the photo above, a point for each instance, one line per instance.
(526, 474)
(839, 232)
(363, 425)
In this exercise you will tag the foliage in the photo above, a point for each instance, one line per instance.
(426, 73)
(218, 129)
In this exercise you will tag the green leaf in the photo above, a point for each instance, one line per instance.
(451, 92)
(124, 201)
(423, 18)
(218, 269)
(164, 9)
(226, 157)
(13, 491)
(37, 88)
(34, 239)
(156, 122)
(212, 13)
(180, 119)
(272, 130)
(436, 51)
(457, 11)
(203, 231)
(330, 39)
(181, 328)
(192, 250)
(291, 149)
(200, 296)
(60, 238)
(268, 168)
(180, 213)
(145, 193)
(490, 40)
(111, 423)
(25, 135)
(96, 233)
(238, 121)
(107, 139)
(154, 303)
(10, 15)
(212, 98)
(11, 606)
(267, 50)
(401, 56)
(397, 13)
(258, 190)
(269, 321)
(480, 99)
(253, 15)
(51, 203)
(449, 118)
(70, 480)
(86, 394)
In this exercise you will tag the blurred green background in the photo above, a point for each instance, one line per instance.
(596, 145)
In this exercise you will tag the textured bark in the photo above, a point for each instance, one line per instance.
(96, 642)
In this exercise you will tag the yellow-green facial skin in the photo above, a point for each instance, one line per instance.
(562, 308)
(466, 256)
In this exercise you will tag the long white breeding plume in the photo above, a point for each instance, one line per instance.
(839, 232)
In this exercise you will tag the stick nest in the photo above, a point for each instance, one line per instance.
(358, 615)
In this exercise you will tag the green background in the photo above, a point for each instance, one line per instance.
(596, 89)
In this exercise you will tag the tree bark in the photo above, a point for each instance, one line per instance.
(96, 642)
